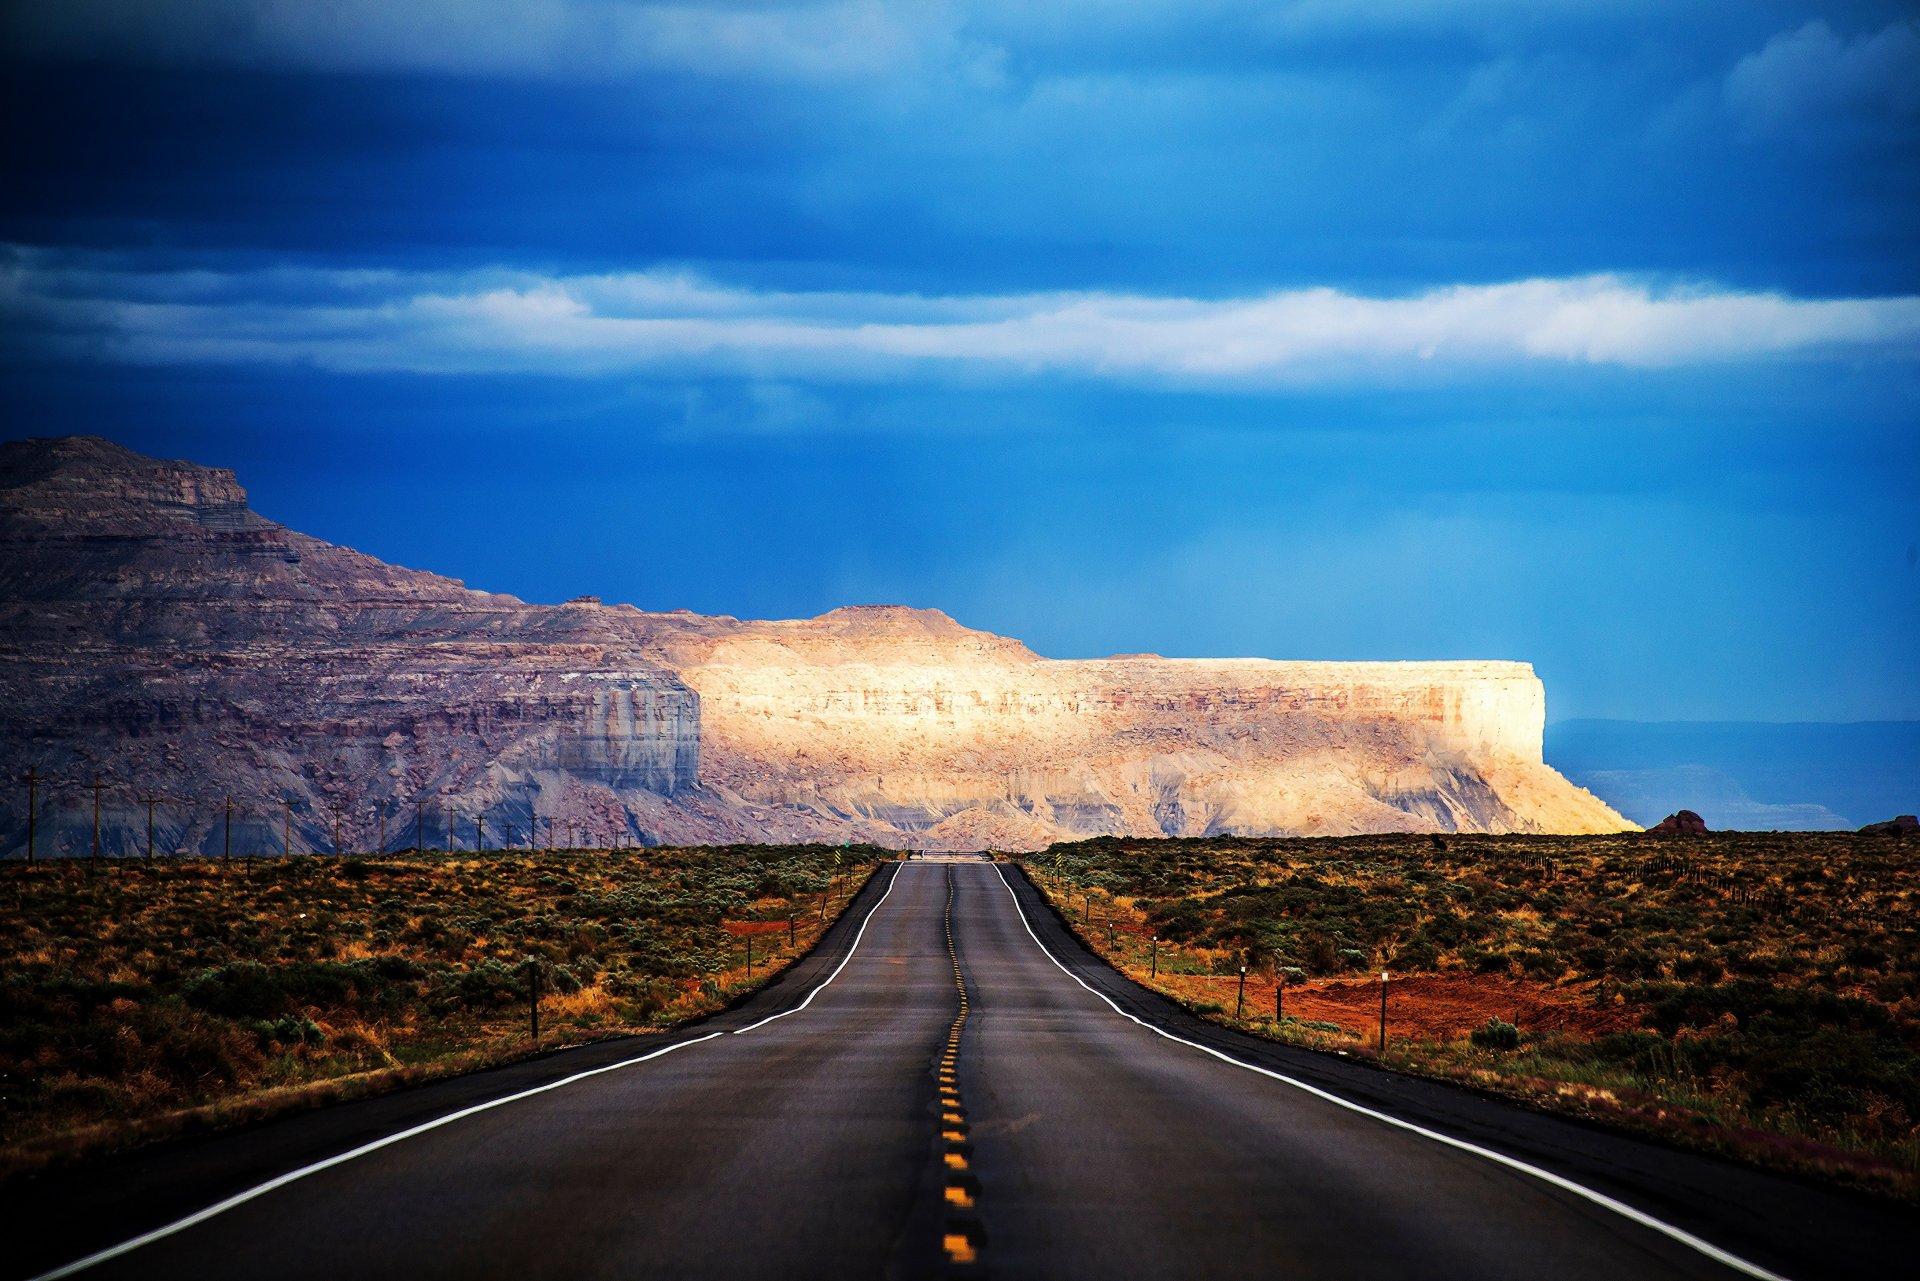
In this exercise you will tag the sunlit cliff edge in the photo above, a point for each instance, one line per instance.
(157, 633)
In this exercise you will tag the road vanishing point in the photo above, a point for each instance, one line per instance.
(950, 1084)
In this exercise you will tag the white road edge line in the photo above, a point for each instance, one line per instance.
(292, 1176)
(1600, 1199)
(891, 882)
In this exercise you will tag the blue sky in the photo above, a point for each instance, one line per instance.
(1578, 333)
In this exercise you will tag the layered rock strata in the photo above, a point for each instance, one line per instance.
(158, 634)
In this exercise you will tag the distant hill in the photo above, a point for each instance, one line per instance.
(1745, 775)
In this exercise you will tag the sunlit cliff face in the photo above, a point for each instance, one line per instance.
(969, 738)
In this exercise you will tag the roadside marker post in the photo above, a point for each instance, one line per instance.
(749, 958)
(1240, 996)
(790, 935)
(1279, 998)
(1383, 1012)
(1154, 971)
(533, 999)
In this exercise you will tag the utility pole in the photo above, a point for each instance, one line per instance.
(33, 808)
(97, 785)
(549, 831)
(450, 817)
(419, 825)
(150, 800)
(480, 834)
(336, 831)
(226, 854)
(382, 812)
(286, 829)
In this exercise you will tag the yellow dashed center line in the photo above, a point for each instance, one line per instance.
(961, 1239)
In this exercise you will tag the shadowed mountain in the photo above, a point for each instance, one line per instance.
(160, 635)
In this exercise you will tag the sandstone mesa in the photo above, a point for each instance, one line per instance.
(158, 633)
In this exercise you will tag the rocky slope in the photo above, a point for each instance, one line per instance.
(157, 634)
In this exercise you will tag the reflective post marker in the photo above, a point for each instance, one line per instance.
(1239, 997)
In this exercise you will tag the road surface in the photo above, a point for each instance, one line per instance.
(949, 1084)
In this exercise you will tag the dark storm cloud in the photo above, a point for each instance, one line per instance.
(1313, 328)
(1227, 147)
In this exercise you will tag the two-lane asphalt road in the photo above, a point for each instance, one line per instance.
(816, 1131)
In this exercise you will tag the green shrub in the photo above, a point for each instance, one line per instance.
(1498, 1034)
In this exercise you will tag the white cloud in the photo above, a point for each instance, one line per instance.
(586, 325)
(1812, 74)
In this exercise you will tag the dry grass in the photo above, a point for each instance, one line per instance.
(164, 996)
(1754, 993)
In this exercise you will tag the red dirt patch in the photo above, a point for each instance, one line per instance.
(739, 928)
(1428, 1006)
